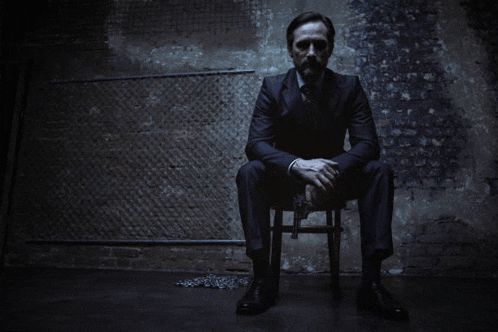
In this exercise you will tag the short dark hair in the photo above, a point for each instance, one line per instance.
(310, 17)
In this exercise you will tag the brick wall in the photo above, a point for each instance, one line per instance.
(482, 18)
(397, 56)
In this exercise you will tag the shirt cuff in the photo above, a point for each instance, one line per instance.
(290, 166)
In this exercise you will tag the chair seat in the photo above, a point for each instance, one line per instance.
(338, 204)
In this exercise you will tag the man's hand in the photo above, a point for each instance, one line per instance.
(314, 196)
(321, 173)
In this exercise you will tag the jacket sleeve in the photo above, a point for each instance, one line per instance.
(362, 132)
(262, 131)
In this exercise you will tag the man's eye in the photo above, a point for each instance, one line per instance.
(319, 45)
(303, 45)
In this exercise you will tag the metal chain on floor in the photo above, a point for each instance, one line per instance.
(214, 281)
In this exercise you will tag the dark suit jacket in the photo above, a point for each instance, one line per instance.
(281, 132)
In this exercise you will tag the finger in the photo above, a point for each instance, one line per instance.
(308, 193)
(333, 169)
(326, 171)
(327, 184)
(320, 187)
(313, 197)
(329, 162)
(318, 197)
(329, 166)
(331, 177)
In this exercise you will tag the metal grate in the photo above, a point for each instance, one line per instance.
(193, 16)
(139, 158)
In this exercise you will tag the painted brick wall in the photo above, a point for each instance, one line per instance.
(421, 134)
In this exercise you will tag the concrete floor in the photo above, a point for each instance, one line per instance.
(46, 299)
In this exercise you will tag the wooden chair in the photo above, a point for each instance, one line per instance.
(332, 228)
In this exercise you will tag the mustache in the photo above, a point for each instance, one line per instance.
(312, 64)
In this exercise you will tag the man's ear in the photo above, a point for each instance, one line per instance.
(331, 47)
(289, 49)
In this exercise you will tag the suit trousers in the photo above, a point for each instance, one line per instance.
(372, 185)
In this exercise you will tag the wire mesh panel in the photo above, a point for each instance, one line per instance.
(143, 158)
(192, 16)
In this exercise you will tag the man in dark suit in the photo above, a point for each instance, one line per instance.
(295, 145)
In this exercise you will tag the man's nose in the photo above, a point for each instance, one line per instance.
(311, 50)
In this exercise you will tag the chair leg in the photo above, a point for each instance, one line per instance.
(330, 238)
(276, 246)
(334, 241)
(337, 246)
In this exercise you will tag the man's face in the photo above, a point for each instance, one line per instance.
(310, 50)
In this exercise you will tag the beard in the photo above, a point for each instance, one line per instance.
(311, 70)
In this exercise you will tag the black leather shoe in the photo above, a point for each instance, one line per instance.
(259, 298)
(376, 299)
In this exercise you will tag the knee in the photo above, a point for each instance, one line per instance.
(250, 172)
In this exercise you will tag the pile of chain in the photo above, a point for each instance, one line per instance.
(214, 281)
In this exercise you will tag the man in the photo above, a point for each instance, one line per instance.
(295, 145)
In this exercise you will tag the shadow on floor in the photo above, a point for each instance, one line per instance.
(48, 299)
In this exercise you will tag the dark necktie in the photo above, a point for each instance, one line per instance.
(311, 103)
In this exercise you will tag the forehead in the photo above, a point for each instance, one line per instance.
(310, 30)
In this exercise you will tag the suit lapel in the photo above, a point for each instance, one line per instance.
(330, 93)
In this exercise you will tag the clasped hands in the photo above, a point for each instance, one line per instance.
(320, 176)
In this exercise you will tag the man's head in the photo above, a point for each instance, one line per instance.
(310, 41)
